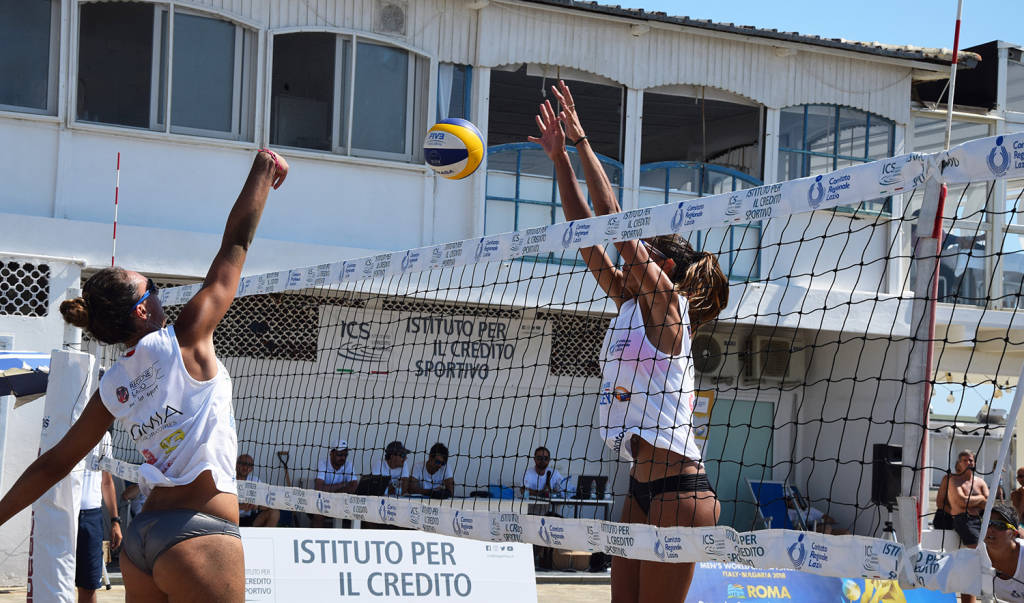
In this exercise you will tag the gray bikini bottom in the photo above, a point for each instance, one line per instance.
(151, 533)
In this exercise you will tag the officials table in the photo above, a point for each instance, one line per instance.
(553, 502)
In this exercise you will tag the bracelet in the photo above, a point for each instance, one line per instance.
(576, 142)
(115, 520)
(273, 155)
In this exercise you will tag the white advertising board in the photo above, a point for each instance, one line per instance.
(295, 564)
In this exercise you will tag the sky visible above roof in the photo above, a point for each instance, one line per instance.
(921, 24)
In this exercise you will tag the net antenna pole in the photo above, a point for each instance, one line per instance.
(952, 73)
(920, 372)
(117, 186)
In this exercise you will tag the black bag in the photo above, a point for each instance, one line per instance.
(943, 520)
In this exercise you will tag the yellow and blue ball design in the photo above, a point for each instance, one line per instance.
(453, 148)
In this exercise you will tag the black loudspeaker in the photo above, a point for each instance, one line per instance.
(886, 474)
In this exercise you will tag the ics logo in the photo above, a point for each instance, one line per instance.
(998, 166)
(122, 394)
(815, 194)
(735, 202)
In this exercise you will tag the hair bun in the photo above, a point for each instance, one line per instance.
(75, 312)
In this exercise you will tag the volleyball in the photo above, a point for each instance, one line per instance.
(453, 148)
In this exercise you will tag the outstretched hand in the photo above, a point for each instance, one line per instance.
(280, 167)
(551, 138)
(568, 116)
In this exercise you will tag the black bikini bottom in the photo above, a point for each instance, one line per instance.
(644, 492)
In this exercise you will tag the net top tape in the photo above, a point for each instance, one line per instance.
(977, 160)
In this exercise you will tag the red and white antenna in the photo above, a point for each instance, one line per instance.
(952, 72)
(117, 185)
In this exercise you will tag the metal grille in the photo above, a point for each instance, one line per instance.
(275, 326)
(402, 304)
(24, 288)
(576, 343)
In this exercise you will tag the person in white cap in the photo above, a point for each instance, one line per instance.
(335, 474)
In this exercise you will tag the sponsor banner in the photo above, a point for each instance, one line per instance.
(964, 570)
(435, 347)
(809, 552)
(294, 564)
(983, 159)
(727, 582)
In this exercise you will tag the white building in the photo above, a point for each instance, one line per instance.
(187, 91)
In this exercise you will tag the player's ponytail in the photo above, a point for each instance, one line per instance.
(697, 276)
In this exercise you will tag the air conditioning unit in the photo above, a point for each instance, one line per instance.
(716, 356)
(777, 359)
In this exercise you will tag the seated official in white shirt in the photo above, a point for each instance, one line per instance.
(434, 477)
(334, 474)
(393, 465)
(542, 480)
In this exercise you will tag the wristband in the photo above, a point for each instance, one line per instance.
(273, 155)
(115, 520)
(579, 140)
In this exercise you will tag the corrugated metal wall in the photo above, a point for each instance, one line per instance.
(510, 33)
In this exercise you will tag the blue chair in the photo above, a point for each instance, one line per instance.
(770, 500)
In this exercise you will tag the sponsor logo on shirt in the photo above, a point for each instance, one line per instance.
(122, 394)
(164, 417)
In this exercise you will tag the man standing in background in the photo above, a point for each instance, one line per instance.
(97, 490)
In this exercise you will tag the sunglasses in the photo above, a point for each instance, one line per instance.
(150, 288)
(652, 251)
(1001, 526)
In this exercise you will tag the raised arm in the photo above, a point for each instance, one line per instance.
(200, 316)
(645, 278)
(574, 206)
(54, 464)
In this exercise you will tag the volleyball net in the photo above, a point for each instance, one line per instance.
(814, 388)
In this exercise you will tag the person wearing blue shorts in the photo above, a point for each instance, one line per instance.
(97, 490)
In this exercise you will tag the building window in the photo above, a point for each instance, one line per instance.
(968, 236)
(453, 90)
(817, 139)
(29, 30)
(1015, 85)
(522, 191)
(695, 142)
(345, 95)
(137, 62)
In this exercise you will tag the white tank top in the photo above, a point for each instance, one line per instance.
(1012, 589)
(181, 426)
(644, 391)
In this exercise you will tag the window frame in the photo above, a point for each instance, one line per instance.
(53, 69)
(345, 108)
(243, 89)
(804, 154)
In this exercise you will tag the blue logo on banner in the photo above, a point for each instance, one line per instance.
(998, 169)
(461, 524)
(322, 504)
(270, 498)
(679, 216)
(567, 236)
(797, 552)
(479, 249)
(659, 549)
(544, 533)
(816, 193)
(408, 259)
(382, 511)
